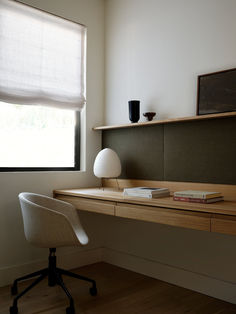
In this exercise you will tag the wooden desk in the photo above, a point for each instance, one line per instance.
(217, 217)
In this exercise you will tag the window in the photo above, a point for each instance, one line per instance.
(42, 89)
(38, 137)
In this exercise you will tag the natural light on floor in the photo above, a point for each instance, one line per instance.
(35, 136)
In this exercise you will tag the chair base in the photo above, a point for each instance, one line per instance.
(54, 275)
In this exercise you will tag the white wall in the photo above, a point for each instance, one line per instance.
(156, 48)
(154, 51)
(15, 251)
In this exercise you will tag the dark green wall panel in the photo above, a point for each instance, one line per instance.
(196, 151)
(140, 151)
(201, 151)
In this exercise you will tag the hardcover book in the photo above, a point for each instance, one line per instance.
(146, 192)
(197, 194)
(198, 200)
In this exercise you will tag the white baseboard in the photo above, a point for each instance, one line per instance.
(194, 281)
(68, 261)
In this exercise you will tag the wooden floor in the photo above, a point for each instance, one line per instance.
(119, 292)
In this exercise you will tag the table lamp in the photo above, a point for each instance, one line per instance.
(107, 164)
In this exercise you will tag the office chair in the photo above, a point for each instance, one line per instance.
(50, 223)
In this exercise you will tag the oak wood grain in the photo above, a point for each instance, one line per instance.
(119, 292)
(228, 190)
(174, 120)
(178, 218)
(223, 224)
(109, 194)
(92, 205)
(215, 217)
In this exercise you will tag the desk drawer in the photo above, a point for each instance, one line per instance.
(223, 224)
(179, 218)
(91, 205)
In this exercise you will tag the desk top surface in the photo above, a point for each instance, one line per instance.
(110, 194)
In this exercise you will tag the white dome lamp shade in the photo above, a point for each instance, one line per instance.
(107, 164)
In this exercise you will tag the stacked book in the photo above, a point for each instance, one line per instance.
(146, 192)
(198, 196)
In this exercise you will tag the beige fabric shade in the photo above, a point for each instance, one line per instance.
(42, 58)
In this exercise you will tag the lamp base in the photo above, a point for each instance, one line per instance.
(117, 184)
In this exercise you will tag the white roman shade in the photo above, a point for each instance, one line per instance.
(42, 58)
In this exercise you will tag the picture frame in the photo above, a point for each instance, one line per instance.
(216, 92)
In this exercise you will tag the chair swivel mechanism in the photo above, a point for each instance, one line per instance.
(50, 223)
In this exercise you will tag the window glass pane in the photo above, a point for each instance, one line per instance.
(35, 136)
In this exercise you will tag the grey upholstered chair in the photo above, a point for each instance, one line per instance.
(50, 223)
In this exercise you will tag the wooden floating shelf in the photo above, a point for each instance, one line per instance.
(175, 120)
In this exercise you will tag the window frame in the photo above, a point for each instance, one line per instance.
(76, 167)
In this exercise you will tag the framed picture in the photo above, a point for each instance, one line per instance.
(216, 92)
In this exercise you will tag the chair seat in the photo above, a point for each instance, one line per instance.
(49, 222)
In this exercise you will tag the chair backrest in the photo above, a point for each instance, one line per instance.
(49, 222)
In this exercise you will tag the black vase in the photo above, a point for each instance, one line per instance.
(134, 110)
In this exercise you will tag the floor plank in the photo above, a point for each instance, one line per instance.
(119, 292)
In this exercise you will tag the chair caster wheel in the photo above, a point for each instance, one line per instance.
(93, 291)
(70, 310)
(14, 290)
(13, 310)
